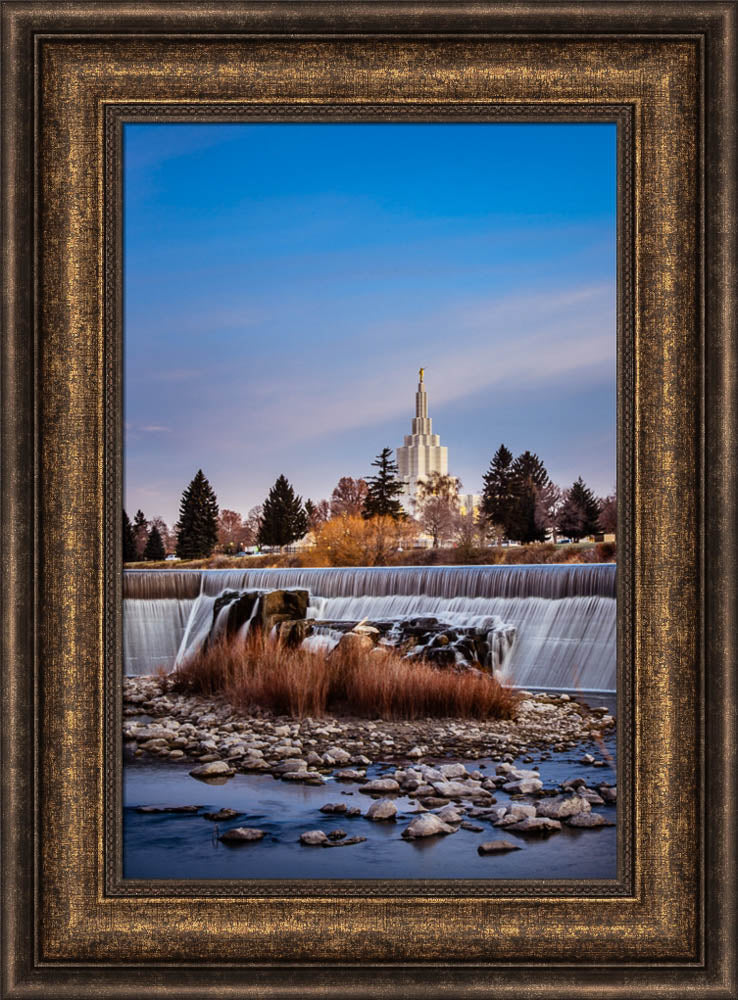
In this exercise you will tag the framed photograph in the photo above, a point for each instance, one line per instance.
(369, 483)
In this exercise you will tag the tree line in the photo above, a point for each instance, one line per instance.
(519, 503)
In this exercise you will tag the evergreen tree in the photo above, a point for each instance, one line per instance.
(197, 529)
(129, 544)
(384, 489)
(154, 550)
(140, 532)
(579, 514)
(528, 478)
(283, 517)
(497, 496)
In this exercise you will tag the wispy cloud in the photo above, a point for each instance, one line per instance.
(466, 350)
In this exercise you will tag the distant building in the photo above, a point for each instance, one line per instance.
(470, 503)
(422, 452)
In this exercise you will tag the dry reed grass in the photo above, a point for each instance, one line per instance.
(364, 682)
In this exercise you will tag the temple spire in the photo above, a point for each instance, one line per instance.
(422, 452)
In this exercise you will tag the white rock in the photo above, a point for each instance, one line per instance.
(381, 810)
(589, 820)
(380, 785)
(450, 814)
(524, 787)
(313, 838)
(561, 806)
(426, 825)
(215, 769)
(453, 771)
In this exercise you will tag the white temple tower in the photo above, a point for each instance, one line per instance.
(422, 452)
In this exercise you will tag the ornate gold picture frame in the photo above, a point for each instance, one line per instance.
(665, 73)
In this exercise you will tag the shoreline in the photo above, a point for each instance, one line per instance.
(203, 730)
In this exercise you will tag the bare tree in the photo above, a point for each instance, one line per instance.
(608, 520)
(252, 525)
(317, 513)
(548, 503)
(437, 506)
(347, 499)
(231, 531)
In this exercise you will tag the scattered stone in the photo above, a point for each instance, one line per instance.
(348, 774)
(497, 846)
(242, 834)
(562, 806)
(536, 825)
(573, 783)
(381, 811)
(589, 820)
(608, 793)
(344, 843)
(426, 825)
(383, 785)
(523, 787)
(221, 815)
(334, 807)
(313, 838)
(466, 825)
(450, 814)
(336, 834)
(213, 769)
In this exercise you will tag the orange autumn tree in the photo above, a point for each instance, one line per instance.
(356, 541)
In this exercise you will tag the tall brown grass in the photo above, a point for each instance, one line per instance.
(264, 673)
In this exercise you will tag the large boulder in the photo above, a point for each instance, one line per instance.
(279, 606)
(381, 811)
(382, 785)
(214, 769)
(426, 825)
(561, 806)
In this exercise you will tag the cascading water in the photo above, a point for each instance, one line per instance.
(153, 631)
(565, 615)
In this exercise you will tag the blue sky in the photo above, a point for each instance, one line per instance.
(284, 283)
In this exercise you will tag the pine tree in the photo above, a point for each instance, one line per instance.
(283, 517)
(197, 529)
(497, 494)
(579, 514)
(154, 550)
(384, 489)
(129, 544)
(140, 532)
(528, 477)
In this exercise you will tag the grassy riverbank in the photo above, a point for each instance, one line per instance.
(511, 555)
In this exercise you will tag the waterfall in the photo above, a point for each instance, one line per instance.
(552, 581)
(152, 632)
(565, 615)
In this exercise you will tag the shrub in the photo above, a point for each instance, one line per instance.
(265, 673)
